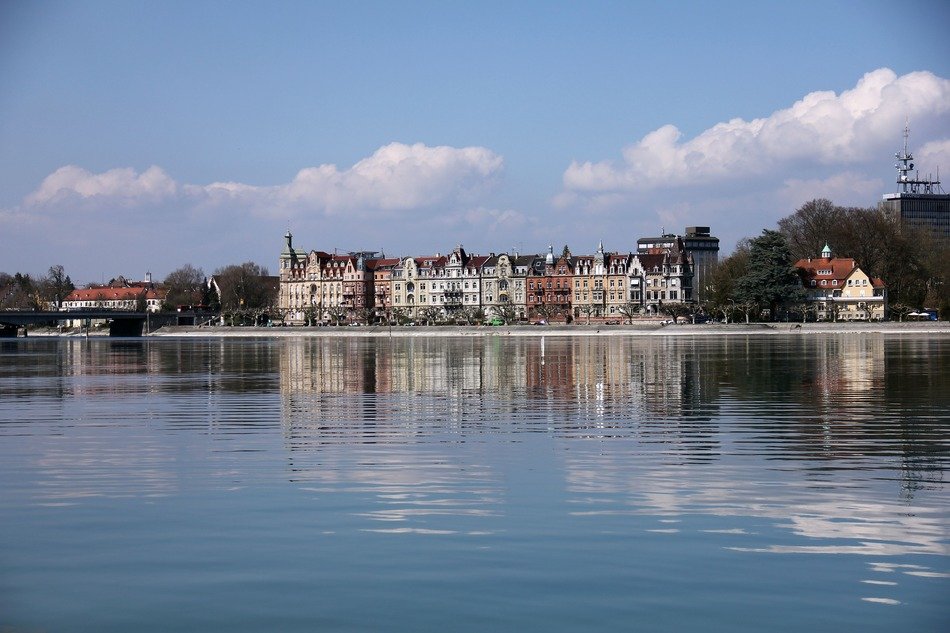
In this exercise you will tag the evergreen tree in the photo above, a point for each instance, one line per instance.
(770, 280)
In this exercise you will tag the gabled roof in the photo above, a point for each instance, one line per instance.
(477, 261)
(876, 282)
(432, 261)
(825, 269)
(382, 263)
(107, 293)
(648, 261)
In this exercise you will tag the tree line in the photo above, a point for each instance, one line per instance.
(26, 292)
(760, 276)
(245, 289)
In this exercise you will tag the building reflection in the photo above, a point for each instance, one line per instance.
(601, 381)
(827, 398)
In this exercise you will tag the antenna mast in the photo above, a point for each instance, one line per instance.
(908, 183)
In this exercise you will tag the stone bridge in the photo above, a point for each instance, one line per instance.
(120, 323)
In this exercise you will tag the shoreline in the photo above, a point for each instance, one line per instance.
(643, 329)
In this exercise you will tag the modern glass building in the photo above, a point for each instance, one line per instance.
(922, 211)
(700, 246)
(919, 202)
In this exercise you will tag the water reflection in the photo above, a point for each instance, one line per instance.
(832, 439)
(836, 399)
(727, 428)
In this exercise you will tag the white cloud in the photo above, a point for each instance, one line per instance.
(124, 186)
(397, 177)
(822, 128)
(846, 188)
(932, 156)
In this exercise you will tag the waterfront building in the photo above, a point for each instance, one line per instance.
(617, 290)
(700, 246)
(919, 202)
(472, 283)
(549, 289)
(838, 290)
(405, 277)
(456, 283)
(590, 279)
(298, 281)
(523, 267)
(504, 284)
(660, 278)
(118, 294)
(383, 287)
(323, 287)
(431, 300)
(358, 282)
(366, 287)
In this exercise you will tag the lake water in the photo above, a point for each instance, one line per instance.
(476, 484)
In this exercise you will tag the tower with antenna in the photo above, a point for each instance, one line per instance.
(920, 202)
(907, 183)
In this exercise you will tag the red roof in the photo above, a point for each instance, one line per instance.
(820, 269)
(105, 293)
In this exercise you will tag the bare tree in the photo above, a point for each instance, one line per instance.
(677, 310)
(57, 286)
(587, 310)
(245, 287)
(184, 286)
(899, 310)
(507, 312)
(336, 314)
(430, 314)
(20, 292)
(629, 309)
(548, 311)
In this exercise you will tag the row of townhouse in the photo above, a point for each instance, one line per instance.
(367, 287)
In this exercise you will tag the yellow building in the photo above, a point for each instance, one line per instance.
(838, 290)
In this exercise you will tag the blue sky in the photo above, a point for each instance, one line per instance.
(143, 136)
